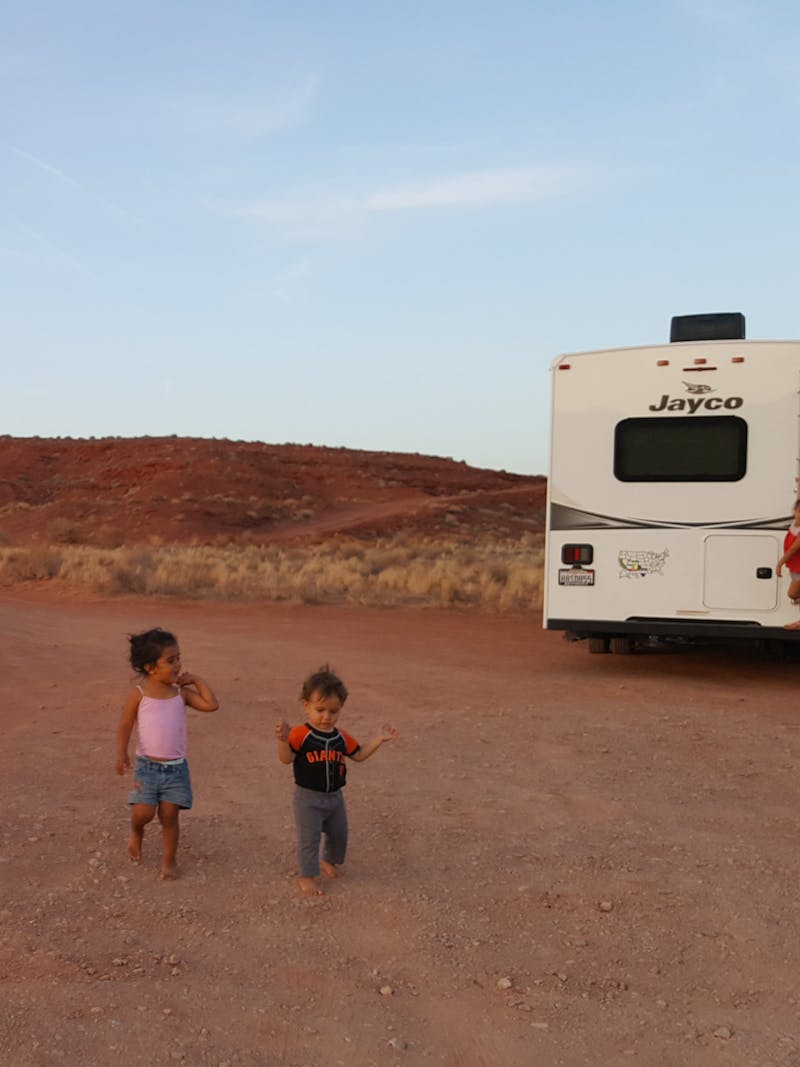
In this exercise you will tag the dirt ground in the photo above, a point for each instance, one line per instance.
(566, 859)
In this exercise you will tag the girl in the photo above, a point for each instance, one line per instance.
(158, 708)
(791, 559)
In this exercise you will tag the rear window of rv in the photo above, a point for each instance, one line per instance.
(684, 449)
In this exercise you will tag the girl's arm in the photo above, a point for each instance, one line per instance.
(792, 550)
(125, 730)
(787, 555)
(285, 754)
(201, 698)
(388, 733)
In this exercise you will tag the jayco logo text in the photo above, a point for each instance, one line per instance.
(693, 404)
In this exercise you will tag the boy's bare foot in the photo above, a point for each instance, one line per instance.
(135, 845)
(309, 887)
(330, 870)
(792, 625)
(169, 873)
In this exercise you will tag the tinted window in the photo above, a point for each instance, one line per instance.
(694, 449)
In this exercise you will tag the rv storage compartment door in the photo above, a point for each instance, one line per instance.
(730, 578)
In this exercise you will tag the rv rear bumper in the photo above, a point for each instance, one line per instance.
(675, 628)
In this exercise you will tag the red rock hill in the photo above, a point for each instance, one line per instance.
(174, 490)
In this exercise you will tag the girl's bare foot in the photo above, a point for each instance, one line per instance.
(169, 873)
(792, 625)
(309, 887)
(135, 845)
(330, 870)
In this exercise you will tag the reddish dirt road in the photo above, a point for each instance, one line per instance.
(566, 859)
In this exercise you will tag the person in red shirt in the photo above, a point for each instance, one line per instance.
(791, 560)
(318, 751)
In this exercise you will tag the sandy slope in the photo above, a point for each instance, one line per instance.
(567, 859)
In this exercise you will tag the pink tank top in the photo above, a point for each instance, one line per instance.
(161, 727)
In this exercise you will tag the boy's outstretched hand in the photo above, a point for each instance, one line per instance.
(386, 733)
(282, 730)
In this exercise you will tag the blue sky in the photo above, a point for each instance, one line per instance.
(374, 225)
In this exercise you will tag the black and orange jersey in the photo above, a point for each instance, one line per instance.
(319, 757)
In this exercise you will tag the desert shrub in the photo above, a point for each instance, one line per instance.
(122, 578)
(498, 572)
(110, 537)
(493, 576)
(34, 564)
(63, 531)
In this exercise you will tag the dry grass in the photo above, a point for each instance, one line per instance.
(490, 576)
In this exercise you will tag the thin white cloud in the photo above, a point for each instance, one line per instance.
(321, 215)
(477, 189)
(731, 15)
(755, 48)
(54, 172)
(317, 212)
(306, 219)
(48, 168)
(15, 63)
(285, 287)
(58, 254)
(250, 120)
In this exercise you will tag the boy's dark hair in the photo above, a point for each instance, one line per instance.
(325, 683)
(147, 647)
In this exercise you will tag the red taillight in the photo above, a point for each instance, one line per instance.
(577, 554)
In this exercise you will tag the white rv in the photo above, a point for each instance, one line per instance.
(673, 473)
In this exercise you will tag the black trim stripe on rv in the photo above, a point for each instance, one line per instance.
(563, 517)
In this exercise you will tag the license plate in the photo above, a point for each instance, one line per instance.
(575, 577)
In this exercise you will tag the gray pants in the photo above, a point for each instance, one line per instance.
(316, 814)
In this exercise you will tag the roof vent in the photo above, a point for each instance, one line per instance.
(723, 326)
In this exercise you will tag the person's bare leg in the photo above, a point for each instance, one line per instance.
(794, 596)
(141, 815)
(170, 833)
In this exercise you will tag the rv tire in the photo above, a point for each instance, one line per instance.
(598, 644)
(621, 646)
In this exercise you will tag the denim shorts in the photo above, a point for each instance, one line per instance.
(154, 781)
